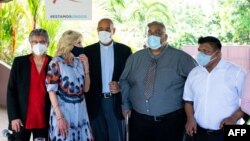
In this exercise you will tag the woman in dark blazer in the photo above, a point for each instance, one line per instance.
(27, 100)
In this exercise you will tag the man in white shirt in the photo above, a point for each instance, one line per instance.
(212, 93)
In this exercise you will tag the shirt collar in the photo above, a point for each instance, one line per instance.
(162, 52)
(102, 46)
(220, 65)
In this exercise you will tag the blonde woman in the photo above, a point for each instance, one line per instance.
(67, 81)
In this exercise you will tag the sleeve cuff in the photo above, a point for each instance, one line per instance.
(126, 106)
(52, 87)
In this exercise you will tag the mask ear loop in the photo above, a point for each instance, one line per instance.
(214, 57)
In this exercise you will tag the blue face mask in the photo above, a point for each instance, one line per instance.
(203, 59)
(154, 42)
(77, 51)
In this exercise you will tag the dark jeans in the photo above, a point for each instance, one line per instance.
(106, 126)
(169, 128)
(24, 134)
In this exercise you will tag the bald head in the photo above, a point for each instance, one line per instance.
(106, 20)
(105, 31)
(106, 24)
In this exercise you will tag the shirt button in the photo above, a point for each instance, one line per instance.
(147, 110)
(147, 101)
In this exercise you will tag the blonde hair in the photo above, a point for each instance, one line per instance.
(66, 43)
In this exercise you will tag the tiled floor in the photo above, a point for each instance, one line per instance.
(3, 122)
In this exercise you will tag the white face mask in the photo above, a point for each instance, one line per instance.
(39, 49)
(104, 37)
(154, 42)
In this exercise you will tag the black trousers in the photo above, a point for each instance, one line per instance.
(24, 134)
(169, 128)
(204, 135)
(207, 137)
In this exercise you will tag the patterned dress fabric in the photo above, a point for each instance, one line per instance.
(67, 81)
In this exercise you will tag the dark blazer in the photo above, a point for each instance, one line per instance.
(18, 89)
(121, 53)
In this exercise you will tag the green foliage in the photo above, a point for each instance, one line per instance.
(185, 21)
(12, 15)
(52, 26)
(34, 6)
(136, 16)
(241, 23)
(17, 20)
(234, 20)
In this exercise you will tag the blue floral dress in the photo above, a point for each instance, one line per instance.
(67, 81)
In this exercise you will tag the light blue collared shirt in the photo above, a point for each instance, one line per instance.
(107, 61)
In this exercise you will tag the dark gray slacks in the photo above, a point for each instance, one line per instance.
(106, 126)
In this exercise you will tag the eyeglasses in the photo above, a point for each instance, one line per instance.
(36, 42)
(159, 34)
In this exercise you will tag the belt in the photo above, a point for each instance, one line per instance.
(70, 98)
(158, 118)
(106, 95)
(209, 131)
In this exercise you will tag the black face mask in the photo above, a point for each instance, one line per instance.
(77, 51)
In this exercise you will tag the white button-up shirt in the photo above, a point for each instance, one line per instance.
(245, 100)
(107, 61)
(215, 95)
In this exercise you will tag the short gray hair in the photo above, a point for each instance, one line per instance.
(157, 23)
(39, 32)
